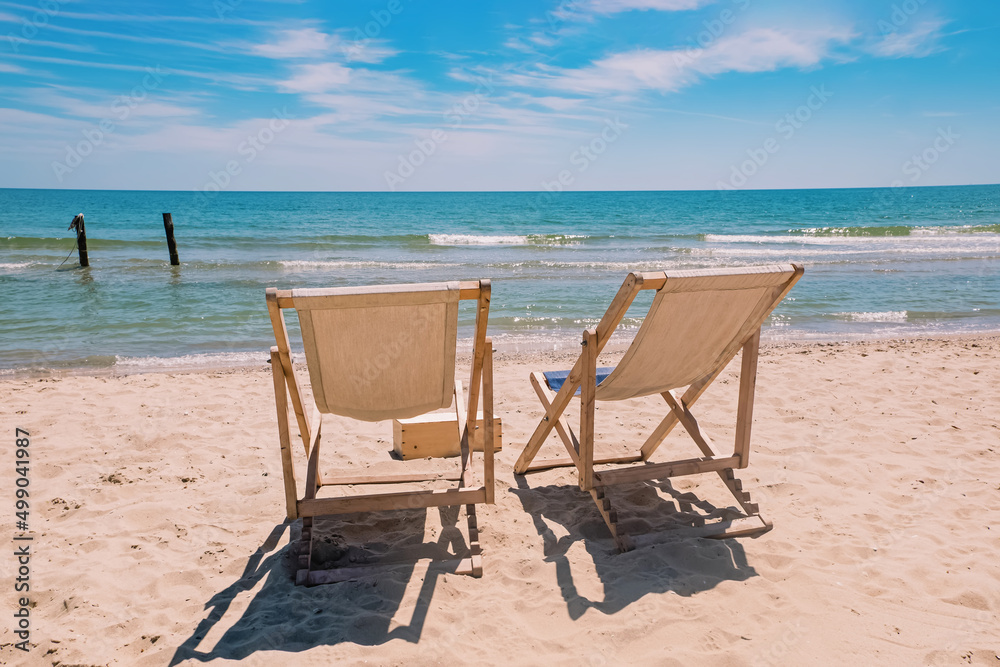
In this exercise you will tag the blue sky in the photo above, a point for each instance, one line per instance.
(576, 94)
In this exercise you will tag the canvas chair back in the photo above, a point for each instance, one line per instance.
(384, 353)
(694, 321)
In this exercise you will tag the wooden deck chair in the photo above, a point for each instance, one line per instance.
(697, 323)
(378, 353)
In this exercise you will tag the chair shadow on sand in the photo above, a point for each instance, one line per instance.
(664, 562)
(284, 617)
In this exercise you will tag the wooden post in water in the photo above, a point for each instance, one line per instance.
(168, 225)
(81, 239)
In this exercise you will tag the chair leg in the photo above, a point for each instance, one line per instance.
(475, 564)
(735, 487)
(610, 516)
(304, 549)
(747, 525)
(744, 411)
(587, 389)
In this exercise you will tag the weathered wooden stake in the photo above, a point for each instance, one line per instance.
(168, 225)
(81, 239)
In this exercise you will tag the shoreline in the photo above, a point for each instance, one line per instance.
(522, 350)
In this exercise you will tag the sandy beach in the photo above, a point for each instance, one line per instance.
(178, 177)
(157, 513)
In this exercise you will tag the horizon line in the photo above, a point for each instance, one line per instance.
(535, 192)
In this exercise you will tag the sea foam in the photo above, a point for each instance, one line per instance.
(892, 316)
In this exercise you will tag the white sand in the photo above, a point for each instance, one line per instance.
(157, 513)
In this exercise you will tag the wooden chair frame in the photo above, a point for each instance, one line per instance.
(581, 451)
(307, 507)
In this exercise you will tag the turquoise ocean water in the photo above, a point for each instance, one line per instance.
(880, 262)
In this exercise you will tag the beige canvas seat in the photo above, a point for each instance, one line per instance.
(380, 353)
(697, 323)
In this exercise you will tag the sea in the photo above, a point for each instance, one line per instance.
(880, 263)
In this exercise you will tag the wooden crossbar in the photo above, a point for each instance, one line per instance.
(548, 464)
(664, 470)
(468, 289)
(355, 480)
(391, 501)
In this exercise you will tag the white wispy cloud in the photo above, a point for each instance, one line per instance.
(568, 17)
(11, 68)
(701, 114)
(239, 81)
(363, 95)
(16, 45)
(541, 39)
(303, 43)
(516, 44)
(71, 103)
(549, 101)
(211, 16)
(310, 43)
(35, 134)
(922, 39)
(369, 51)
(91, 104)
(317, 78)
(161, 110)
(584, 10)
(755, 50)
(615, 6)
(132, 37)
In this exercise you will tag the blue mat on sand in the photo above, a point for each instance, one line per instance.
(556, 379)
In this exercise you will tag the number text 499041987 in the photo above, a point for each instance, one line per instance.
(22, 538)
